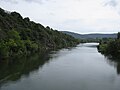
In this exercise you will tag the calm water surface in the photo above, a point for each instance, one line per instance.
(79, 68)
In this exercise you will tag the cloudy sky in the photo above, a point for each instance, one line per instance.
(81, 16)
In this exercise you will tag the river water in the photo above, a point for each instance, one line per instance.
(78, 68)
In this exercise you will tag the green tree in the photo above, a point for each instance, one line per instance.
(118, 35)
(13, 34)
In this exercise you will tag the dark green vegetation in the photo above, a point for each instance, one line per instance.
(111, 47)
(20, 36)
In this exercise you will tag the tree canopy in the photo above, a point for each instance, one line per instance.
(19, 35)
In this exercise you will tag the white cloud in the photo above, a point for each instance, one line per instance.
(75, 15)
(11, 1)
(17, 1)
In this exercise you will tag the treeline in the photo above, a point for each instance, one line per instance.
(110, 47)
(97, 40)
(20, 36)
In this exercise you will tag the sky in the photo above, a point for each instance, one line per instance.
(80, 16)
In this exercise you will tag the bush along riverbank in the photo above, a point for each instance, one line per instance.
(20, 36)
(111, 47)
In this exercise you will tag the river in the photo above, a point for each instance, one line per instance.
(77, 68)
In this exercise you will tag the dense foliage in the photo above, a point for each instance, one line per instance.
(97, 40)
(19, 36)
(110, 47)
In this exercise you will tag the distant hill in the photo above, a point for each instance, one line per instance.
(90, 36)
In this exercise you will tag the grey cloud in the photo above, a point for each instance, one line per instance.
(112, 3)
(115, 4)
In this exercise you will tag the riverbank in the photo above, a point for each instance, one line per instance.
(110, 48)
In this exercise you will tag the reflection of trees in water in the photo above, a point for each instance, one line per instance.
(115, 61)
(118, 68)
(15, 68)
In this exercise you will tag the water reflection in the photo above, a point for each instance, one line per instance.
(92, 45)
(114, 61)
(16, 68)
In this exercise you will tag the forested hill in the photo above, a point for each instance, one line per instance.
(19, 35)
(90, 36)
